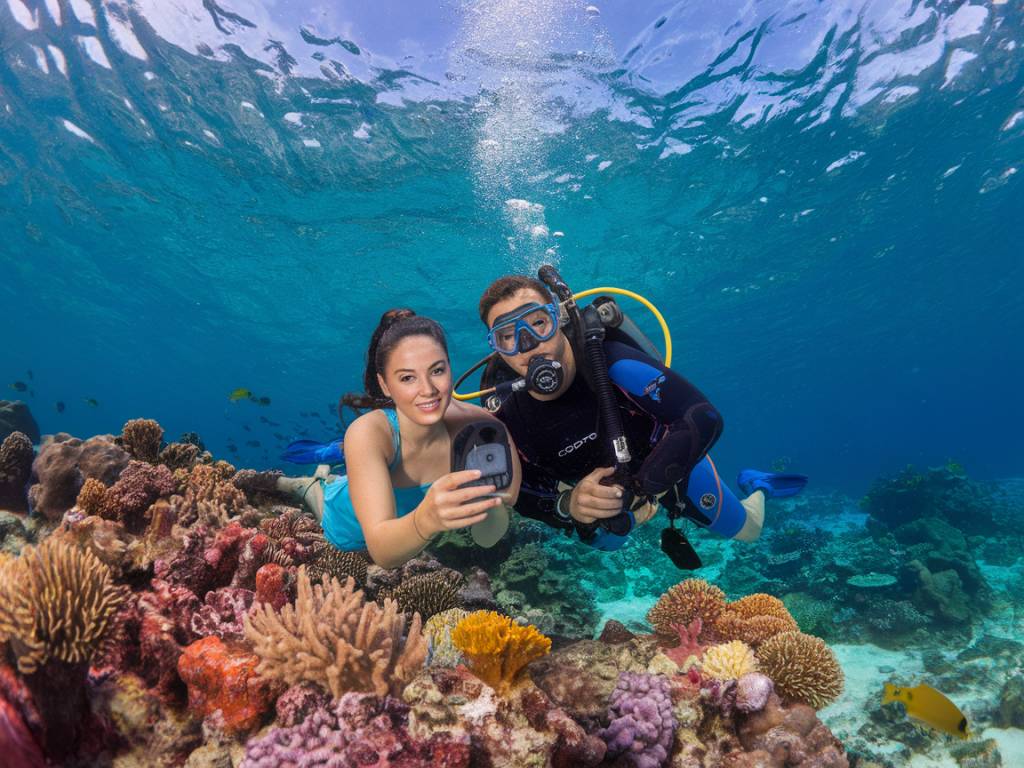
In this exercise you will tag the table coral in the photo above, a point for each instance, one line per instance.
(686, 601)
(332, 636)
(497, 649)
(222, 677)
(802, 667)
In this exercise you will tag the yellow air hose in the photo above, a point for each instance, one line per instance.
(576, 296)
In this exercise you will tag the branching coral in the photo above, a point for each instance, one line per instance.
(803, 668)
(427, 594)
(753, 619)
(728, 661)
(56, 602)
(688, 600)
(496, 648)
(141, 438)
(332, 636)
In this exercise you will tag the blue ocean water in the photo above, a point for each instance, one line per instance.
(823, 199)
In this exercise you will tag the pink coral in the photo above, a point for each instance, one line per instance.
(688, 642)
(20, 723)
(299, 702)
(139, 486)
(223, 614)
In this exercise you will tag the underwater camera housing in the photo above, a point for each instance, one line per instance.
(483, 445)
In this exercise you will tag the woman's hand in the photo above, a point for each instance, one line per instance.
(448, 507)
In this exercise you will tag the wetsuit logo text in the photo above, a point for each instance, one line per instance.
(578, 444)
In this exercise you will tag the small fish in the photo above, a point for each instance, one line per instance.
(19, 386)
(931, 707)
(232, 448)
(253, 443)
(60, 406)
(316, 414)
(247, 428)
(264, 401)
(279, 436)
(29, 372)
(264, 419)
(303, 414)
(240, 394)
(91, 401)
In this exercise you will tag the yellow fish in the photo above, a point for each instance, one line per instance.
(239, 394)
(932, 708)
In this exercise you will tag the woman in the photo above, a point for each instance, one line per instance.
(399, 493)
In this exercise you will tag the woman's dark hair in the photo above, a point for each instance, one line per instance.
(394, 325)
(504, 287)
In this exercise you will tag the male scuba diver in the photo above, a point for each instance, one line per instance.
(606, 433)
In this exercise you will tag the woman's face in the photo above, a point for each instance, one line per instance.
(418, 378)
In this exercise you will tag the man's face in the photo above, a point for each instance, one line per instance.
(555, 348)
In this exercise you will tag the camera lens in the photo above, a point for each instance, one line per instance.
(490, 458)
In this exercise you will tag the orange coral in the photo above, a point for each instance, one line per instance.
(223, 677)
(754, 618)
(688, 600)
(92, 499)
(496, 648)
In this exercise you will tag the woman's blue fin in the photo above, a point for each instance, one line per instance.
(312, 452)
(776, 485)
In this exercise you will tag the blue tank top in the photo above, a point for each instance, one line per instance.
(340, 525)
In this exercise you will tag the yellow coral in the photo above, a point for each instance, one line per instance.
(496, 648)
(728, 661)
(802, 667)
(438, 631)
(56, 602)
(686, 601)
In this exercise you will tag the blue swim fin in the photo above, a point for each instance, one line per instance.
(775, 485)
(312, 452)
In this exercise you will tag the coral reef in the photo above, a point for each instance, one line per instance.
(426, 594)
(62, 466)
(802, 667)
(753, 619)
(438, 631)
(352, 732)
(332, 562)
(333, 637)
(142, 438)
(182, 456)
(641, 721)
(139, 485)
(223, 614)
(16, 456)
(299, 702)
(496, 649)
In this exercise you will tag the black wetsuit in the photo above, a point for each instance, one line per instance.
(669, 423)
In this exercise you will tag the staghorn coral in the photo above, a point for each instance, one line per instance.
(753, 619)
(16, 455)
(141, 438)
(496, 648)
(802, 667)
(438, 631)
(641, 722)
(728, 661)
(333, 562)
(333, 637)
(426, 594)
(357, 731)
(686, 601)
(56, 602)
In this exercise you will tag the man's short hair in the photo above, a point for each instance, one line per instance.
(504, 287)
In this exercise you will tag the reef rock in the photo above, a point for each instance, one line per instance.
(16, 417)
(62, 467)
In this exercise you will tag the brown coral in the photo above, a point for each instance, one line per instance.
(333, 562)
(754, 618)
(688, 600)
(16, 455)
(179, 456)
(496, 648)
(56, 602)
(427, 593)
(333, 637)
(803, 668)
(93, 497)
(141, 438)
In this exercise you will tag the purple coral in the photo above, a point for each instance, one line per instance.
(139, 486)
(752, 692)
(223, 614)
(642, 723)
(356, 731)
(299, 702)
